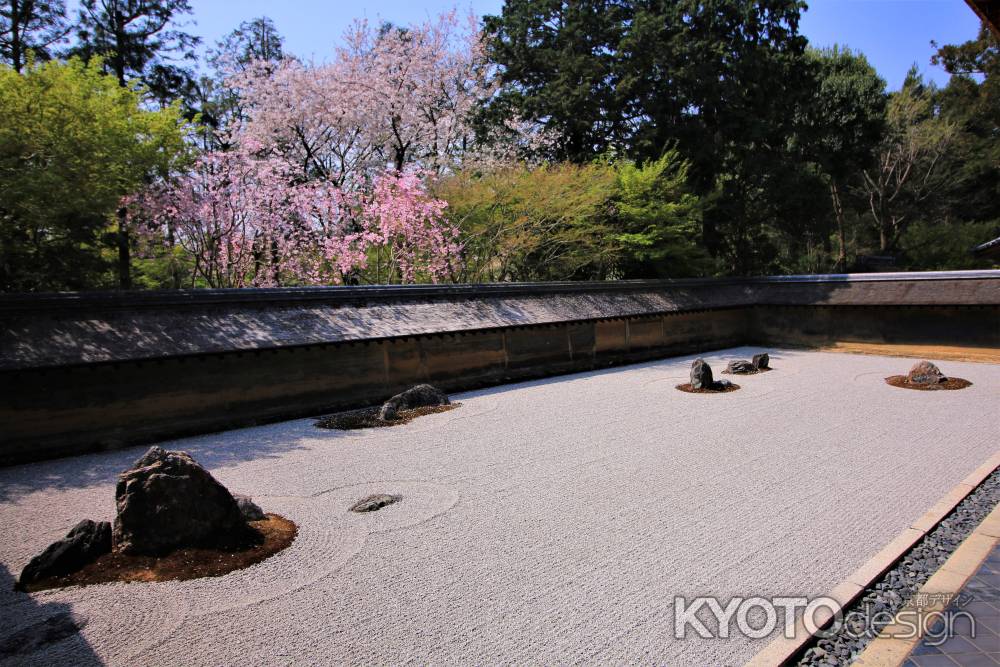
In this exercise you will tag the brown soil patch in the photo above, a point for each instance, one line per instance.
(714, 390)
(949, 384)
(989, 355)
(270, 536)
(368, 417)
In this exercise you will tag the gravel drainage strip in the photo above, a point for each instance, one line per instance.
(879, 603)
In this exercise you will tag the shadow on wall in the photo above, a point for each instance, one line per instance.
(40, 633)
(213, 451)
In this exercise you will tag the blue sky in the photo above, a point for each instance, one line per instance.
(894, 34)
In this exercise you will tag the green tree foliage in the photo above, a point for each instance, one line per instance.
(30, 26)
(660, 219)
(567, 221)
(561, 67)
(972, 101)
(549, 223)
(638, 77)
(914, 170)
(73, 143)
(840, 124)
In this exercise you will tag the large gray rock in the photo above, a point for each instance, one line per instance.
(925, 372)
(761, 361)
(420, 396)
(167, 501)
(740, 367)
(701, 375)
(82, 545)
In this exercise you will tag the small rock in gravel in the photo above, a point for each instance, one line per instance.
(761, 361)
(701, 375)
(250, 510)
(924, 372)
(420, 396)
(375, 502)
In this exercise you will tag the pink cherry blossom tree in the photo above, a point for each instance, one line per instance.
(324, 181)
(245, 222)
(392, 97)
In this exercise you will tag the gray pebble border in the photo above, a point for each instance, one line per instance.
(890, 593)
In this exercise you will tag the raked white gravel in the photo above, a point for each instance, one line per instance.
(545, 522)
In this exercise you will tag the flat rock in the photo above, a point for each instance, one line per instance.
(924, 372)
(701, 375)
(166, 501)
(740, 367)
(82, 545)
(420, 396)
(375, 502)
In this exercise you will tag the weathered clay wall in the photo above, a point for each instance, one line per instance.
(971, 326)
(55, 411)
(85, 372)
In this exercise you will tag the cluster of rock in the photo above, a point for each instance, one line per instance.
(925, 373)
(165, 501)
(701, 372)
(743, 367)
(420, 396)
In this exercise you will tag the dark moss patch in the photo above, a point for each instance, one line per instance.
(753, 372)
(368, 417)
(265, 539)
(950, 384)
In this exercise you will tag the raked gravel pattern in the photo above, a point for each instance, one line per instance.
(551, 521)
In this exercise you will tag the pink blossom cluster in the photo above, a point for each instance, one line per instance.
(390, 97)
(324, 177)
(246, 221)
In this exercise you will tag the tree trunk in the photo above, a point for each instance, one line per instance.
(838, 211)
(124, 259)
(16, 47)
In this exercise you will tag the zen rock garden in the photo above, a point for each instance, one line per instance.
(926, 376)
(416, 401)
(174, 521)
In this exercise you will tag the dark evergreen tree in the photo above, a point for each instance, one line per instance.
(140, 39)
(34, 26)
(560, 67)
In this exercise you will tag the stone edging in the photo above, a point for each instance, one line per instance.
(782, 650)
